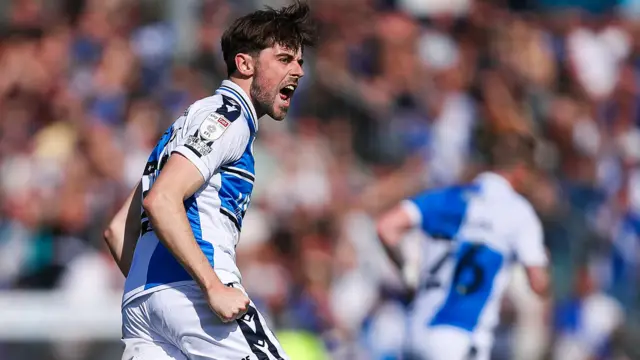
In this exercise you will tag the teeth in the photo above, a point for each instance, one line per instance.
(290, 87)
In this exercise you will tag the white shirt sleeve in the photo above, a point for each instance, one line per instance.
(529, 240)
(413, 211)
(211, 150)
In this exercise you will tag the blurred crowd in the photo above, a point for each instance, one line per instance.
(394, 101)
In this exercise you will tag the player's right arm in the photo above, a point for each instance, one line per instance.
(538, 279)
(531, 253)
(186, 171)
(164, 204)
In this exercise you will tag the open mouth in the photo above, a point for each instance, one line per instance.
(287, 92)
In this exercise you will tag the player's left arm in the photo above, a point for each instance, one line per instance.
(123, 231)
(392, 226)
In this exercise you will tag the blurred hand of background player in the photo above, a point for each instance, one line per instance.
(228, 303)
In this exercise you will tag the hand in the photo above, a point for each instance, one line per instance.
(228, 303)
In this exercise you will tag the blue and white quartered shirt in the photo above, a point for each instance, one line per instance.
(216, 134)
(475, 232)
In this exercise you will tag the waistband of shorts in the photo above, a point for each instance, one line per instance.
(226, 277)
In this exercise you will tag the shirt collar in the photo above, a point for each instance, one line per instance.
(247, 104)
(493, 179)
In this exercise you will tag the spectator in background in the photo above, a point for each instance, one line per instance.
(586, 323)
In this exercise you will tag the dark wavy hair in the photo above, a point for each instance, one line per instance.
(508, 148)
(290, 27)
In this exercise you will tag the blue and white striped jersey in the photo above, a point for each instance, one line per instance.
(475, 232)
(216, 134)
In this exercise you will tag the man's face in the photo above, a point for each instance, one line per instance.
(276, 77)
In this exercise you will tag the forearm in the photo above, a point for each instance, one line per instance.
(391, 244)
(122, 233)
(170, 224)
(408, 266)
(544, 288)
(114, 238)
(539, 280)
(395, 254)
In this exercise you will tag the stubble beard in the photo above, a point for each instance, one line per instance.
(263, 101)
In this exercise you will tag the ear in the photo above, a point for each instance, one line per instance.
(245, 64)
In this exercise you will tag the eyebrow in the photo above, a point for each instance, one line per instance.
(290, 56)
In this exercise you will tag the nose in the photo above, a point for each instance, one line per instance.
(297, 71)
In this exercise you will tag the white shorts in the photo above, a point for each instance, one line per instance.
(177, 324)
(446, 343)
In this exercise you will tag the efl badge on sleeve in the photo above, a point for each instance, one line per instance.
(213, 127)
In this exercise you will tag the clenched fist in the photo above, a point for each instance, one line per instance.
(228, 303)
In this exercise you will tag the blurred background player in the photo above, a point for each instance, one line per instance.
(476, 231)
(193, 195)
(87, 87)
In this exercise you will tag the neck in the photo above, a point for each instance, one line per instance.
(245, 85)
(509, 176)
